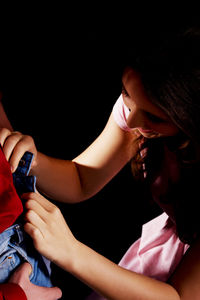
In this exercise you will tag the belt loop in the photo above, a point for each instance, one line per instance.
(19, 234)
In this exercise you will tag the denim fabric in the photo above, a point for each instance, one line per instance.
(24, 183)
(15, 248)
(15, 245)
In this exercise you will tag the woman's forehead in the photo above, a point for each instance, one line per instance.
(132, 81)
(130, 74)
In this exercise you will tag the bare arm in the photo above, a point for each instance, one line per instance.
(113, 281)
(53, 238)
(77, 180)
(81, 178)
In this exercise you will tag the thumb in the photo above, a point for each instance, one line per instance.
(32, 291)
(47, 293)
(22, 272)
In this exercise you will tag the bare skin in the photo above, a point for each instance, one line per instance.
(84, 176)
(32, 291)
(21, 275)
(150, 120)
(107, 278)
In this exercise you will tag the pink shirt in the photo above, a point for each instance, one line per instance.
(120, 113)
(159, 250)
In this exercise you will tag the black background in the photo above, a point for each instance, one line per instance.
(60, 76)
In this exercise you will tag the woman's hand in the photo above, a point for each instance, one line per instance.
(53, 239)
(15, 144)
(32, 291)
(48, 229)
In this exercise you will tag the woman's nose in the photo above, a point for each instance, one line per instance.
(135, 119)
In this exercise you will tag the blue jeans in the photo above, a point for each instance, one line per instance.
(15, 248)
(15, 245)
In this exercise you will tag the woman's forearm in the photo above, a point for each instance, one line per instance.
(113, 281)
(58, 179)
(89, 172)
(53, 239)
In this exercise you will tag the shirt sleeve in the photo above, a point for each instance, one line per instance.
(121, 113)
(11, 291)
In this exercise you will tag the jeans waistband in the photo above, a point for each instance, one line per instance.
(11, 231)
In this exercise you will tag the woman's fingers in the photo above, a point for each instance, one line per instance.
(37, 214)
(37, 217)
(10, 143)
(48, 228)
(4, 133)
(12, 151)
(43, 202)
(17, 147)
(41, 214)
(35, 233)
(15, 144)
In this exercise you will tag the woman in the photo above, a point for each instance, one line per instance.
(157, 116)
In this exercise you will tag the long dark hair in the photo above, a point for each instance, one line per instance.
(171, 77)
(170, 73)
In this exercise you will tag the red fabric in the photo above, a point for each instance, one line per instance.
(11, 291)
(10, 208)
(10, 203)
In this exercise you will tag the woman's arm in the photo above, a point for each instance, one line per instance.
(53, 239)
(113, 281)
(77, 180)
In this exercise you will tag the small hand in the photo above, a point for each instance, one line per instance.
(32, 291)
(15, 144)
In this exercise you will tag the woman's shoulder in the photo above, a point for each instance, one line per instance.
(186, 278)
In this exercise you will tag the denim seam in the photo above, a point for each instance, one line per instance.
(17, 248)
